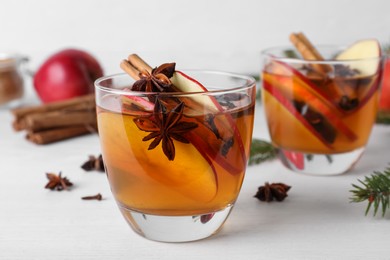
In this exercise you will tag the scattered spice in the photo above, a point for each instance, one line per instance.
(94, 197)
(57, 182)
(94, 163)
(269, 192)
(164, 126)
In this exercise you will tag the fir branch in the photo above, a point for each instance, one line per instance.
(261, 151)
(383, 117)
(375, 189)
(256, 77)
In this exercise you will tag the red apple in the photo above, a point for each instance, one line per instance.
(67, 74)
(384, 101)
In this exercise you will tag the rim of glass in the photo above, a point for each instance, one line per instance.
(249, 82)
(267, 52)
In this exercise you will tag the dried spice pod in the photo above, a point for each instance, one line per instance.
(269, 192)
(57, 182)
(94, 197)
(94, 163)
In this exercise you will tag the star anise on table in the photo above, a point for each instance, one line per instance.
(156, 81)
(269, 192)
(57, 182)
(94, 163)
(165, 126)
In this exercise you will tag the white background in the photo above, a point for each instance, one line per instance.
(225, 35)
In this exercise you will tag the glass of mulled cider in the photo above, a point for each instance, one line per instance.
(321, 103)
(175, 156)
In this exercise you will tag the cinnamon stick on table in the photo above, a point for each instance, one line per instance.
(86, 100)
(36, 122)
(57, 121)
(53, 135)
(83, 103)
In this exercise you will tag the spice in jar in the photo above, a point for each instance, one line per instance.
(11, 80)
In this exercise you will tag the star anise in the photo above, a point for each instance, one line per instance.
(94, 163)
(269, 192)
(165, 126)
(57, 182)
(156, 81)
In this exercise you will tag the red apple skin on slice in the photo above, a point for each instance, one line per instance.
(284, 69)
(295, 158)
(285, 121)
(118, 146)
(185, 83)
(136, 105)
(205, 148)
(298, 90)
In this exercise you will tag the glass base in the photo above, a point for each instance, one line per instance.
(176, 228)
(320, 164)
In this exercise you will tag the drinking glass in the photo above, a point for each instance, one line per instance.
(320, 123)
(175, 161)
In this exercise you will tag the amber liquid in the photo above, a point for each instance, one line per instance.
(326, 116)
(199, 180)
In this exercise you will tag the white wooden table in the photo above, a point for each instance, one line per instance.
(316, 221)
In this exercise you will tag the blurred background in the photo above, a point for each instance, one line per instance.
(225, 35)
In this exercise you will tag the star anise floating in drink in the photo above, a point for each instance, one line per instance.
(165, 126)
(269, 192)
(57, 182)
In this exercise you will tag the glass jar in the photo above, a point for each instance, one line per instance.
(11, 79)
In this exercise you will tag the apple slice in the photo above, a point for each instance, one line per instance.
(185, 83)
(364, 49)
(299, 89)
(286, 104)
(284, 69)
(136, 105)
(205, 148)
(118, 143)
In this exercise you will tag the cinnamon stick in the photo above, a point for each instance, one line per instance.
(41, 121)
(139, 63)
(57, 121)
(84, 103)
(309, 52)
(88, 100)
(134, 65)
(50, 136)
(129, 69)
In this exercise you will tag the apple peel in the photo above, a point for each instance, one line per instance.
(286, 104)
(205, 148)
(185, 83)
